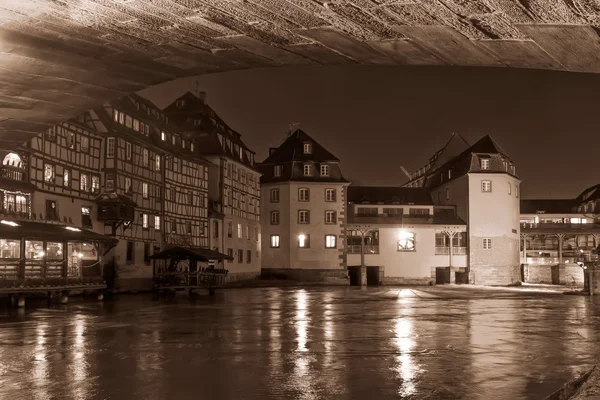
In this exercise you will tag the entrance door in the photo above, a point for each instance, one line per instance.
(354, 274)
(373, 276)
(442, 275)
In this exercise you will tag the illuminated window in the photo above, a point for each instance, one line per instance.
(49, 173)
(304, 241)
(307, 148)
(487, 244)
(274, 195)
(330, 217)
(71, 140)
(145, 190)
(95, 184)
(485, 163)
(85, 143)
(157, 163)
(303, 216)
(486, 186)
(86, 217)
(128, 185)
(121, 118)
(308, 169)
(509, 188)
(128, 121)
(239, 231)
(145, 157)
(115, 115)
(183, 143)
(277, 171)
(66, 182)
(330, 195)
(84, 183)
(330, 241)
(157, 222)
(110, 147)
(136, 125)
(303, 194)
(274, 217)
(324, 170)
(274, 241)
(406, 241)
(128, 150)
(163, 136)
(144, 220)
(173, 139)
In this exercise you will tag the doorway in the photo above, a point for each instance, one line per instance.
(354, 274)
(373, 276)
(442, 275)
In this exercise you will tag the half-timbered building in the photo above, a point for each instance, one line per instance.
(234, 189)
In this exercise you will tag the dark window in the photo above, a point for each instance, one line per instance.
(147, 253)
(129, 254)
(189, 228)
(240, 256)
(215, 229)
(51, 211)
(248, 256)
(418, 212)
(230, 252)
(86, 217)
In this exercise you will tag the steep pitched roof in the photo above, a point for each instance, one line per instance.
(589, 194)
(292, 149)
(547, 206)
(388, 195)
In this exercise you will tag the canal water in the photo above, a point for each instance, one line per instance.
(269, 343)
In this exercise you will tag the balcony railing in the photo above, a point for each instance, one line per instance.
(555, 226)
(456, 251)
(369, 249)
(12, 172)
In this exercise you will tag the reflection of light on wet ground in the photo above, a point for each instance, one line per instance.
(301, 319)
(405, 343)
(79, 378)
(303, 375)
(40, 366)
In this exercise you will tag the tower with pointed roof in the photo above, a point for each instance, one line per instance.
(482, 182)
(303, 213)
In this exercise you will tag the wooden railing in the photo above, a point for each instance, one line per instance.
(13, 173)
(457, 251)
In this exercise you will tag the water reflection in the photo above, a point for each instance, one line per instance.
(301, 319)
(40, 367)
(78, 370)
(405, 342)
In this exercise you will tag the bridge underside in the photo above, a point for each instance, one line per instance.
(60, 57)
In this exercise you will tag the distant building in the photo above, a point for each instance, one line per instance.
(403, 238)
(303, 212)
(481, 181)
(557, 235)
(234, 189)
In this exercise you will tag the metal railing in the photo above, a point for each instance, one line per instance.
(457, 251)
(369, 249)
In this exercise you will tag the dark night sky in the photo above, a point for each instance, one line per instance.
(376, 119)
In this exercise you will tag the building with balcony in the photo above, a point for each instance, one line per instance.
(480, 180)
(559, 237)
(396, 235)
(303, 212)
(233, 197)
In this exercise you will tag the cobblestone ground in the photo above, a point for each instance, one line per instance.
(301, 343)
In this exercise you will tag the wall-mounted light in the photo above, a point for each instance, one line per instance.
(70, 228)
(9, 223)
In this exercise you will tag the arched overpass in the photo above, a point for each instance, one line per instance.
(60, 57)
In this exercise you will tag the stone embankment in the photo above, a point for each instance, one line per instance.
(585, 387)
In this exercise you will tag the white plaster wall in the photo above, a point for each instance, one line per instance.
(275, 257)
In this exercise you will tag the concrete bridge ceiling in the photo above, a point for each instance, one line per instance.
(60, 57)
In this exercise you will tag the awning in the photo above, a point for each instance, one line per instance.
(193, 253)
(18, 229)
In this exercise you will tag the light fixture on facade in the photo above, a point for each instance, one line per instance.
(9, 223)
(73, 229)
(80, 255)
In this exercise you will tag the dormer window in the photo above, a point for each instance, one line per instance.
(197, 122)
(241, 153)
(449, 174)
(163, 136)
(308, 169)
(324, 170)
(180, 103)
(307, 148)
(277, 171)
(485, 163)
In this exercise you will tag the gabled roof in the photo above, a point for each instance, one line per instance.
(589, 194)
(292, 149)
(547, 206)
(487, 145)
(388, 195)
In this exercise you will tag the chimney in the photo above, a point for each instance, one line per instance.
(272, 150)
(202, 97)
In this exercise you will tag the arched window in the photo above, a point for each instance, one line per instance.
(12, 159)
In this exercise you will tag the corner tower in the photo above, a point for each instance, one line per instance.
(303, 213)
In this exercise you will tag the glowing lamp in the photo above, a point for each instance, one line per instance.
(73, 229)
(80, 255)
(9, 223)
(302, 240)
(403, 235)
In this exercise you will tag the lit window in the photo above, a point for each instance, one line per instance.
(239, 231)
(406, 241)
(485, 163)
(192, 146)
(110, 147)
(324, 170)
(127, 185)
(173, 139)
(71, 140)
(330, 195)
(274, 217)
(330, 217)
(128, 121)
(115, 115)
(85, 143)
(144, 220)
(277, 171)
(308, 168)
(49, 173)
(304, 241)
(247, 232)
(487, 244)
(303, 194)
(449, 174)
(486, 186)
(163, 136)
(84, 183)
(147, 129)
(157, 163)
(145, 157)
(307, 148)
(136, 125)
(66, 181)
(145, 190)
(274, 241)
(274, 195)
(95, 184)
(128, 151)
(509, 188)
(303, 216)
(183, 143)
(157, 222)
(121, 118)
(330, 241)
(86, 217)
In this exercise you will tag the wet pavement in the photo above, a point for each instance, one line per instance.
(300, 343)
